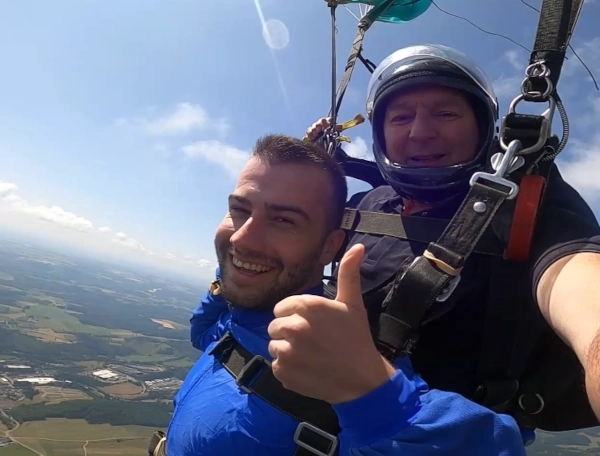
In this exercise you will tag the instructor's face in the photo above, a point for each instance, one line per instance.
(274, 241)
(430, 126)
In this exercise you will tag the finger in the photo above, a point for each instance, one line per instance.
(348, 289)
(325, 122)
(278, 348)
(288, 327)
(287, 306)
(276, 328)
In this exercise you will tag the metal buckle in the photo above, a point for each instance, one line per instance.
(332, 439)
(448, 289)
(248, 372)
(330, 140)
(545, 129)
(503, 167)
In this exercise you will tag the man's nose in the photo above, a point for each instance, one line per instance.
(249, 236)
(422, 127)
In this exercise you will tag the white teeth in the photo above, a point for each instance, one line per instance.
(250, 266)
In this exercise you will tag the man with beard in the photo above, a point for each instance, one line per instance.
(280, 232)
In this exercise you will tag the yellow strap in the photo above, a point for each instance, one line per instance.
(445, 267)
(358, 119)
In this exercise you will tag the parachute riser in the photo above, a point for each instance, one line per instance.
(533, 132)
(331, 139)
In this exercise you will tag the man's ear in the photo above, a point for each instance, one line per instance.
(332, 246)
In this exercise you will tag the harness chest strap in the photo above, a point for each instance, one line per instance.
(412, 228)
(318, 423)
(422, 229)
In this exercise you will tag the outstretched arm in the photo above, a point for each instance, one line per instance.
(203, 329)
(568, 294)
(404, 417)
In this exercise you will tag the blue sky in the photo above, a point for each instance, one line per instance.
(123, 123)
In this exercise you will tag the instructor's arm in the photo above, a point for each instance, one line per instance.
(569, 298)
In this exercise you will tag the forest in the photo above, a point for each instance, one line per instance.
(97, 411)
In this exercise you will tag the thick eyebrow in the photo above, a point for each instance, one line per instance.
(272, 207)
(449, 103)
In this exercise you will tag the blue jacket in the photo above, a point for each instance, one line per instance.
(214, 417)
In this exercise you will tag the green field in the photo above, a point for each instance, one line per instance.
(60, 320)
(16, 450)
(61, 437)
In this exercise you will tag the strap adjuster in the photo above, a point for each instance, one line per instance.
(310, 437)
(249, 371)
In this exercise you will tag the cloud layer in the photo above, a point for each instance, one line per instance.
(18, 214)
(184, 118)
(178, 124)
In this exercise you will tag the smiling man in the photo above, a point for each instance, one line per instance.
(282, 224)
(280, 231)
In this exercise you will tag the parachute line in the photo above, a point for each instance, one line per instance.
(477, 27)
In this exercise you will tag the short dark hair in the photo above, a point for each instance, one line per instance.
(278, 149)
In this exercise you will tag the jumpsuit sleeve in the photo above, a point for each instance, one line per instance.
(403, 417)
(204, 328)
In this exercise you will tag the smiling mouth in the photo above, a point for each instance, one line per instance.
(249, 268)
(423, 159)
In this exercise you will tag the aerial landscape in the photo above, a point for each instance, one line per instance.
(92, 353)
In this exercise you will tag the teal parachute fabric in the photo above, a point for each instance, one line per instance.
(401, 10)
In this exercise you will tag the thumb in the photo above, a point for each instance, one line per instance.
(348, 286)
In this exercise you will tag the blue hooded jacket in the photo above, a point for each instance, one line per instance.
(403, 417)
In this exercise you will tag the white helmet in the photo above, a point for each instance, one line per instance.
(431, 65)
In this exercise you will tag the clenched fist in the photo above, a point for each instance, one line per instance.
(316, 130)
(322, 348)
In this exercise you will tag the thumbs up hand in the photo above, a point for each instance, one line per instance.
(323, 348)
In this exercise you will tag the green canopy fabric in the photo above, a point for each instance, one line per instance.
(401, 10)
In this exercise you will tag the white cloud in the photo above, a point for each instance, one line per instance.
(183, 119)
(58, 225)
(52, 214)
(507, 86)
(514, 58)
(230, 158)
(582, 170)
(7, 189)
(358, 148)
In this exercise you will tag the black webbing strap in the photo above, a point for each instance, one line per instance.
(364, 170)
(512, 330)
(411, 228)
(355, 52)
(434, 275)
(318, 423)
(555, 28)
(509, 335)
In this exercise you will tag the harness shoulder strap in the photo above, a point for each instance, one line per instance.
(318, 423)
(432, 277)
